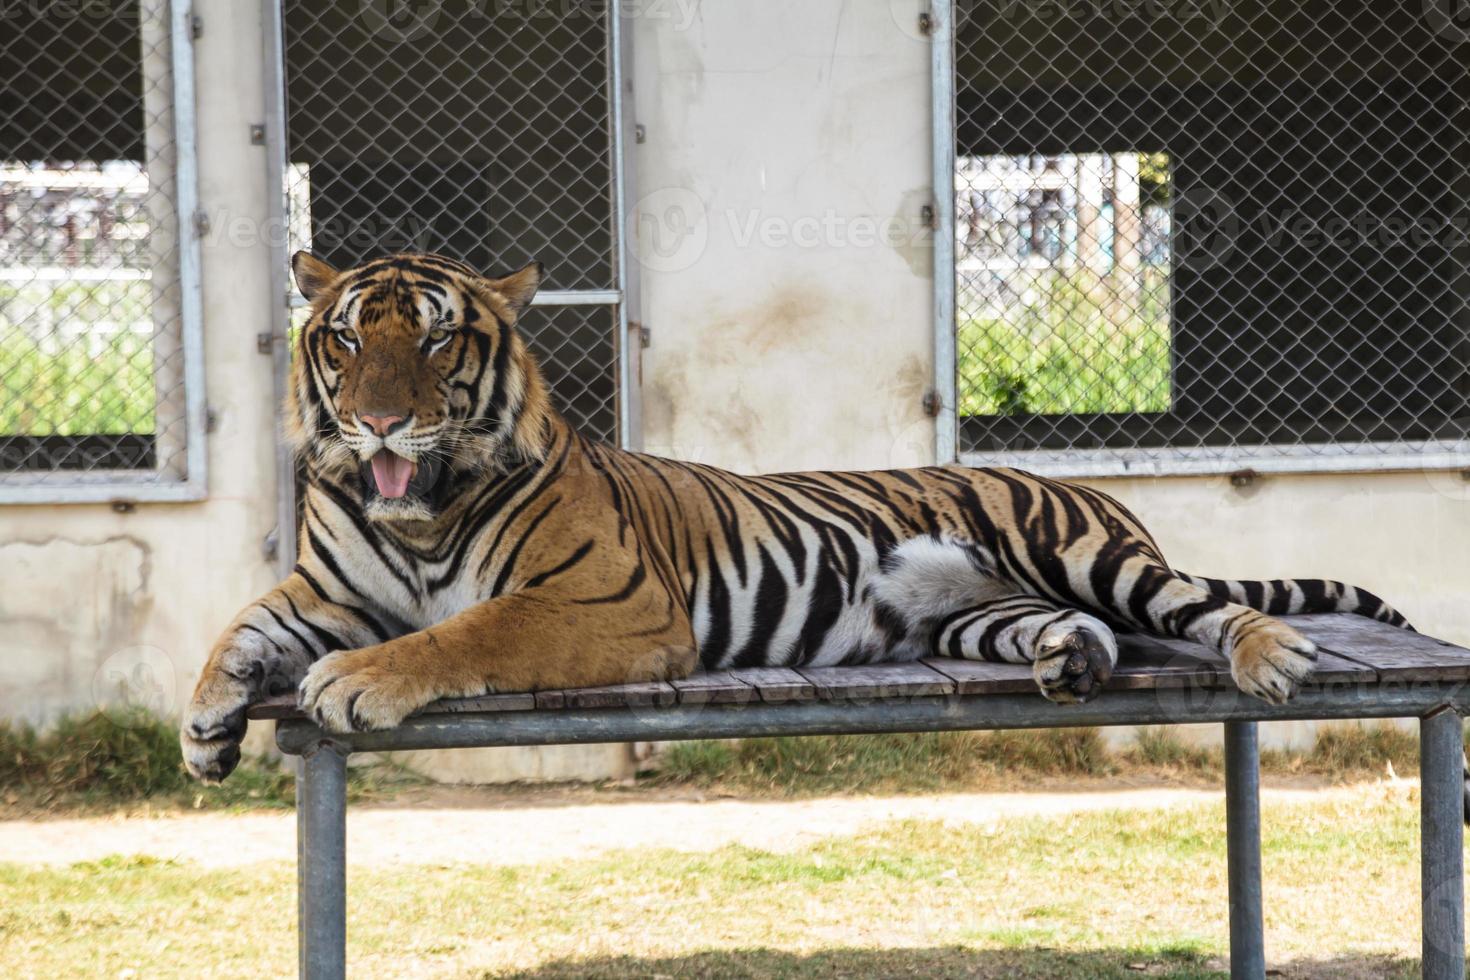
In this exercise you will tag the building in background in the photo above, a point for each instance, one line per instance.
(1211, 259)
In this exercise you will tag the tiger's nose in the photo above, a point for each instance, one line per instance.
(382, 424)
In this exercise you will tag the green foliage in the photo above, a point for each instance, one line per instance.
(82, 384)
(905, 763)
(111, 759)
(1075, 345)
(1155, 183)
(1161, 748)
(1345, 750)
(938, 760)
(1065, 896)
(123, 758)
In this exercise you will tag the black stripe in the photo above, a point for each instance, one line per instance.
(557, 569)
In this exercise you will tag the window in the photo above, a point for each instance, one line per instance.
(1194, 237)
(101, 391)
(487, 132)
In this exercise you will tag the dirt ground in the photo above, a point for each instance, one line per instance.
(443, 824)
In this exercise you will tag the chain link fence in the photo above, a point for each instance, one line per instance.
(479, 130)
(1202, 234)
(92, 349)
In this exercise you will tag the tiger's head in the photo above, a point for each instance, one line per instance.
(410, 371)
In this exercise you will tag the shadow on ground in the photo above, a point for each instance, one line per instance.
(956, 962)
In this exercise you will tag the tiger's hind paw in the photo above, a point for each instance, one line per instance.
(1271, 661)
(1074, 659)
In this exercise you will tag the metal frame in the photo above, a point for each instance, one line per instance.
(1243, 849)
(623, 122)
(322, 791)
(625, 295)
(1165, 461)
(277, 217)
(941, 84)
(1335, 458)
(103, 486)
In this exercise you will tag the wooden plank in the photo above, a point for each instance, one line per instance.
(778, 684)
(1353, 649)
(1163, 661)
(284, 706)
(984, 677)
(281, 706)
(877, 681)
(714, 687)
(485, 703)
(1395, 654)
(1155, 661)
(642, 694)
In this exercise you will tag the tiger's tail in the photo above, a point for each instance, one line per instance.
(1286, 597)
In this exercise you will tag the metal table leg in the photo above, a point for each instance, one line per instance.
(1441, 856)
(321, 862)
(1243, 841)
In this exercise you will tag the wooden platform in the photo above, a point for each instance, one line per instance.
(1365, 670)
(1353, 651)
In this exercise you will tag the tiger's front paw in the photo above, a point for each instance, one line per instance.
(359, 691)
(236, 676)
(1271, 660)
(1074, 659)
(210, 737)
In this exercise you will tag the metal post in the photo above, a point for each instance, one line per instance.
(278, 219)
(941, 85)
(623, 125)
(321, 862)
(1243, 842)
(1442, 861)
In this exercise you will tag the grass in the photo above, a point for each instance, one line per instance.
(103, 761)
(924, 762)
(1078, 896)
(106, 760)
(1068, 347)
(83, 380)
(930, 762)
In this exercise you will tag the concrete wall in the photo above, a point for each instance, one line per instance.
(813, 352)
(95, 598)
(790, 318)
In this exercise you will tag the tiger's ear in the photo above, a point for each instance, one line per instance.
(312, 275)
(518, 287)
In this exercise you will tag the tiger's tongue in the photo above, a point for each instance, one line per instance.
(392, 472)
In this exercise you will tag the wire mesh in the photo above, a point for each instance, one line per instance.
(91, 351)
(1211, 230)
(479, 131)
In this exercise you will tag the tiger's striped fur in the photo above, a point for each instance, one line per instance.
(520, 556)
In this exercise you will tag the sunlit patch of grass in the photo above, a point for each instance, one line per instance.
(1096, 894)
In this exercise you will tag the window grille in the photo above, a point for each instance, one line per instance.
(101, 372)
(1203, 237)
(484, 131)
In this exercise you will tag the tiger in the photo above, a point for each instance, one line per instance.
(458, 536)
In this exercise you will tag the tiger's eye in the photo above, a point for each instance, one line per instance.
(348, 336)
(438, 335)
